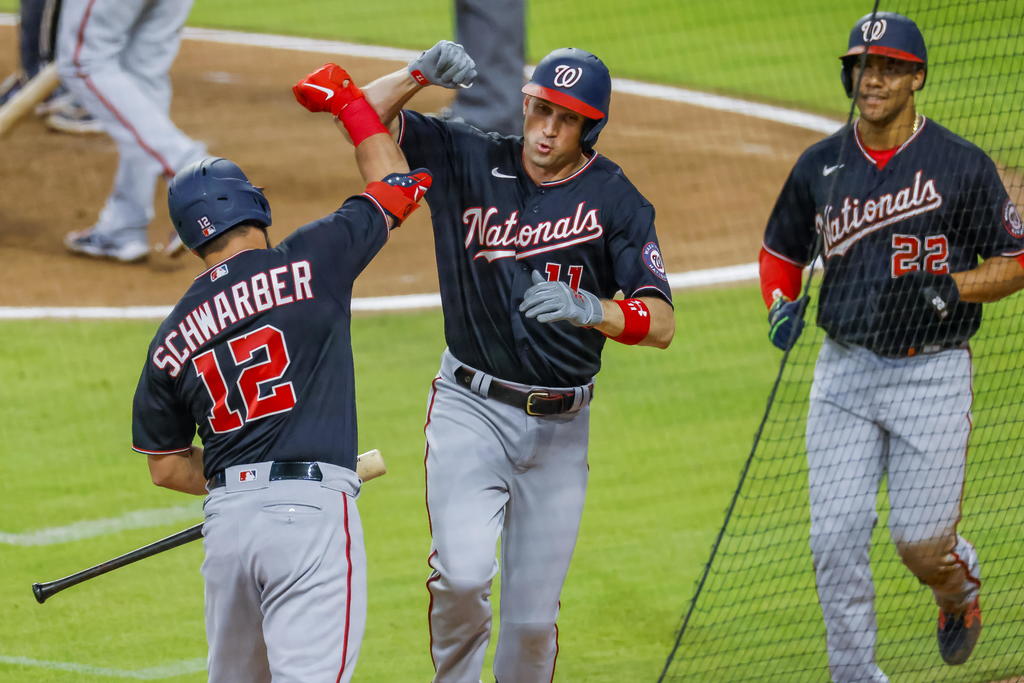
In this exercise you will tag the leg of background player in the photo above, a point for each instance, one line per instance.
(493, 34)
(466, 472)
(542, 522)
(846, 460)
(929, 417)
(148, 142)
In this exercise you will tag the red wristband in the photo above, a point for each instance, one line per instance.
(637, 321)
(361, 121)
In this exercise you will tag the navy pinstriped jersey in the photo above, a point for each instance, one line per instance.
(493, 225)
(258, 352)
(938, 205)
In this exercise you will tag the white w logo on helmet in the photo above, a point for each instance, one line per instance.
(873, 30)
(567, 76)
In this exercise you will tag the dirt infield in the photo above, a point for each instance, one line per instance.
(712, 177)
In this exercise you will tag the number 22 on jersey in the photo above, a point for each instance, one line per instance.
(906, 255)
(259, 401)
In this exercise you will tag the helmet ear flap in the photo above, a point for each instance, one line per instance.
(846, 76)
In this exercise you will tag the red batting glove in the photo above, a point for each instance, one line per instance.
(329, 88)
(400, 193)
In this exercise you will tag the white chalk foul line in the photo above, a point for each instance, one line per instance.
(407, 302)
(155, 673)
(137, 519)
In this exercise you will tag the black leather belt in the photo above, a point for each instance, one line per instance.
(911, 351)
(536, 402)
(309, 471)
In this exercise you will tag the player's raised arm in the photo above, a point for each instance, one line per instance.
(381, 163)
(445, 64)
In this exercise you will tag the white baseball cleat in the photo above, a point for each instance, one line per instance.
(68, 116)
(88, 243)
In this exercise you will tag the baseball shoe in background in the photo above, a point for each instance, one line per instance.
(63, 113)
(11, 85)
(88, 243)
(958, 633)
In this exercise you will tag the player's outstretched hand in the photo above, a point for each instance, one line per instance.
(447, 64)
(551, 301)
(329, 88)
(786, 321)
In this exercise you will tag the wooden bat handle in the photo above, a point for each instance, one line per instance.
(25, 100)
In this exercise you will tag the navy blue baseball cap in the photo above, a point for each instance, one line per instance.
(888, 34)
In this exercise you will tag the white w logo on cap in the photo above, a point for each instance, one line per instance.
(567, 76)
(873, 30)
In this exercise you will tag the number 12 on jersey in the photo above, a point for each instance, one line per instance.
(907, 250)
(260, 401)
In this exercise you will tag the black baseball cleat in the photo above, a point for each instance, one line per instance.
(958, 633)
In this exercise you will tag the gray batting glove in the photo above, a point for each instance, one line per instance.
(551, 301)
(446, 64)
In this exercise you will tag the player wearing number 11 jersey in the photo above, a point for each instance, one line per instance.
(904, 210)
(533, 237)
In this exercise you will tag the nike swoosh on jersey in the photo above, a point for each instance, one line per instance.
(829, 170)
(326, 91)
(498, 174)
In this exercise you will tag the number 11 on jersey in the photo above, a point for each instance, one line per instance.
(554, 273)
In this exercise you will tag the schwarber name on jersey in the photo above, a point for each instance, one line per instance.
(493, 225)
(937, 205)
(258, 351)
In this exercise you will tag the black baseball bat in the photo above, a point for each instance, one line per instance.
(44, 590)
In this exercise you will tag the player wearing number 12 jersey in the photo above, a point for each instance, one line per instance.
(257, 354)
(904, 210)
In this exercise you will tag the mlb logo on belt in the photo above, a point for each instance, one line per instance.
(207, 227)
(247, 475)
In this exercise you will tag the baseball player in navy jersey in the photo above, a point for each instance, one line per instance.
(534, 235)
(904, 209)
(257, 355)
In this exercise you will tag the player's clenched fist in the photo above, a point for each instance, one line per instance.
(446, 64)
(329, 88)
(552, 301)
(786, 321)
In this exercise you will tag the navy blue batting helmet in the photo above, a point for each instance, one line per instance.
(576, 80)
(211, 196)
(884, 33)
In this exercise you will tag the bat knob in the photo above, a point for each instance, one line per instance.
(37, 590)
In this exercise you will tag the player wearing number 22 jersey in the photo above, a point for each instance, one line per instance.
(904, 210)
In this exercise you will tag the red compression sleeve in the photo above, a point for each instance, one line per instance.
(361, 121)
(637, 321)
(778, 275)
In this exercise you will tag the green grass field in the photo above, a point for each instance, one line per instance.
(670, 429)
(663, 459)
